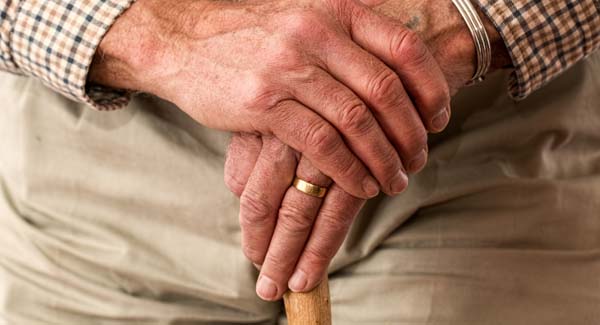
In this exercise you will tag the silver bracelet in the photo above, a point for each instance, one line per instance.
(481, 38)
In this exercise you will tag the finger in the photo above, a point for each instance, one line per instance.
(328, 233)
(294, 223)
(308, 133)
(242, 153)
(261, 199)
(339, 105)
(404, 51)
(381, 89)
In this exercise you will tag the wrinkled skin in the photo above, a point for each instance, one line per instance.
(329, 78)
(294, 236)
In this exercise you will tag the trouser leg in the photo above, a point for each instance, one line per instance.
(502, 227)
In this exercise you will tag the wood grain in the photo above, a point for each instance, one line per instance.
(311, 308)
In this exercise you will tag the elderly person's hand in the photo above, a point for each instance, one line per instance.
(291, 234)
(284, 229)
(303, 71)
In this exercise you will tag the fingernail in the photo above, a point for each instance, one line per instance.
(440, 121)
(258, 267)
(399, 182)
(298, 281)
(418, 162)
(370, 186)
(266, 288)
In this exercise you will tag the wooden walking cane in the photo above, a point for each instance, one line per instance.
(311, 308)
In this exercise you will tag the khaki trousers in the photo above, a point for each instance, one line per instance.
(123, 217)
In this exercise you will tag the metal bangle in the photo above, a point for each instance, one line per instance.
(483, 47)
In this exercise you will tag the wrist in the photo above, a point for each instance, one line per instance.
(500, 57)
(458, 44)
(442, 27)
(116, 58)
(135, 51)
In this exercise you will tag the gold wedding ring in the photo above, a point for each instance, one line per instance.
(310, 189)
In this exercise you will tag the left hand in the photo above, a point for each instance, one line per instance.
(293, 236)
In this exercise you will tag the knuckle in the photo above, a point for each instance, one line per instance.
(390, 163)
(234, 184)
(317, 257)
(254, 209)
(253, 254)
(302, 23)
(441, 98)
(350, 13)
(436, 100)
(350, 169)
(285, 53)
(322, 138)
(416, 140)
(385, 86)
(408, 47)
(305, 74)
(355, 117)
(335, 221)
(420, 137)
(295, 221)
(261, 93)
(311, 174)
(432, 98)
(279, 155)
(403, 100)
(277, 262)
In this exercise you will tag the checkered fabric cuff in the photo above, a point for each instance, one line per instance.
(7, 14)
(544, 37)
(55, 41)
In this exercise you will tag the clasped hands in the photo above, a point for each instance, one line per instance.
(400, 93)
(332, 91)
(292, 236)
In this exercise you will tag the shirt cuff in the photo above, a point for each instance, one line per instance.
(7, 14)
(543, 37)
(55, 41)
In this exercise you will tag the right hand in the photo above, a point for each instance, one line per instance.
(317, 74)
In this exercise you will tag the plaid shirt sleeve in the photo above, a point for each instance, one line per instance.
(55, 41)
(544, 37)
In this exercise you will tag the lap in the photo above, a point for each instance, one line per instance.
(500, 228)
(116, 217)
(123, 218)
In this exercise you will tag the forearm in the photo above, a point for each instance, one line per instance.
(139, 38)
(137, 42)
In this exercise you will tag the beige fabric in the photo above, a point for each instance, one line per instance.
(123, 218)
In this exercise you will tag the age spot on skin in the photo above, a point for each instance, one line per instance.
(414, 22)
